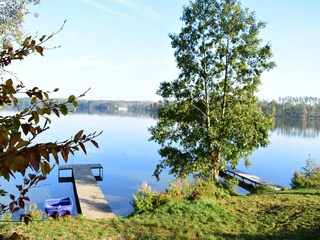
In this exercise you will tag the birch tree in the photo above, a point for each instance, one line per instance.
(210, 116)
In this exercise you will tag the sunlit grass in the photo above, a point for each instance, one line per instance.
(288, 214)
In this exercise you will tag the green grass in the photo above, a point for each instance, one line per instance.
(288, 214)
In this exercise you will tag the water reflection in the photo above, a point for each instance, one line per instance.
(300, 128)
(126, 113)
(129, 158)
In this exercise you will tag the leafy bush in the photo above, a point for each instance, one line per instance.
(6, 217)
(208, 189)
(309, 178)
(146, 199)
(34, 213)
(260, 189)
(181, 189)
(230, 185)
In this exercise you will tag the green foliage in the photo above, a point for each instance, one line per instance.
(6, 217)
(230, 185)
(179, 189)
(146, 199)
(182, 189)
(309, 177)
(289, 214)
(312, 169)
(289, 107)
(34, 213)
(206, 189)
(261, 189)
(210, 116)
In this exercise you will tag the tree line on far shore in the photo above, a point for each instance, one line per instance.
(292, 107)
(100, 107)
(284, 107)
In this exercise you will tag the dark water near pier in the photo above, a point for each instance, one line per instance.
(128, 158)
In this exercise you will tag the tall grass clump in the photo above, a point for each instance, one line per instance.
(309, 177)
(261, 189)
(230, 186)
(146, 199)
(34, 213)
(180, 189)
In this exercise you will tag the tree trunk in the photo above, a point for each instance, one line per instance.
(215, 166)
(217, 156)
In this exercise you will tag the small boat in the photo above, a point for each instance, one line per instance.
(58, 207)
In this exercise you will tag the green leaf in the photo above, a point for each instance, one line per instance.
(71, 98)
(35, 116)
(16, 124)
(33, 100)
(63, 109)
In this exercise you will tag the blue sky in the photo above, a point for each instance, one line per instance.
(121, 48)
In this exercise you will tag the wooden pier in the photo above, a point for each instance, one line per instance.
(248, 181)
(90, 200)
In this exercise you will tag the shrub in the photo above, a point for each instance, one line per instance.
(312, 169)
(6, 217)
(200, 189)
(34, 212)
(230, 185)
(146, 199)
(260, 189)
(179, 189)
(309, 178)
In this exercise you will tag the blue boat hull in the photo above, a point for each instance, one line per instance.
(58, 207)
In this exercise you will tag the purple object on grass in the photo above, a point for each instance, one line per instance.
(59, 206)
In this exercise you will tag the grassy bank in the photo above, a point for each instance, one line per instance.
(288, 214)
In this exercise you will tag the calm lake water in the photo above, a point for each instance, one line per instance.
(128, 158)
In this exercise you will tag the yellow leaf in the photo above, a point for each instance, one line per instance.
(39, 49)
(42, 38)
(21, 144)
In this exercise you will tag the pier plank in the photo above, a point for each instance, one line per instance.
(252, 178)
(91, 200)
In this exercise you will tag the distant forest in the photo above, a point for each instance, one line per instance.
(106, 107)
(292, 107)
(284, 108)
